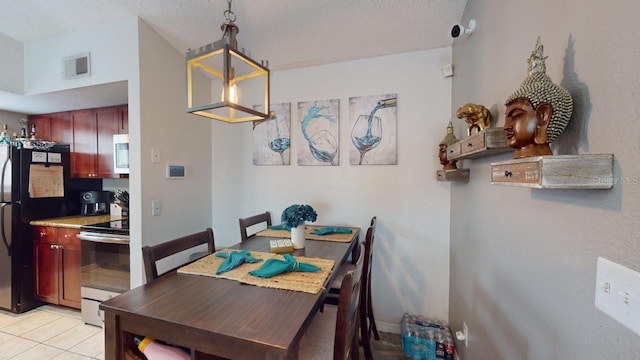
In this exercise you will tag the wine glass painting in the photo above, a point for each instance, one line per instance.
(366, 134)
(272, 138)
(318, 123)
(373, 130)
(278, 136)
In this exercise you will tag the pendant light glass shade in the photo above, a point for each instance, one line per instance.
(238, 84)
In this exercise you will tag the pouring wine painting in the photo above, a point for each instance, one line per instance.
(373, 130)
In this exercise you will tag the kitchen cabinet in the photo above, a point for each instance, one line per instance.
(51, 127)
(60, 127)
(92, 140)
(42, 123)
(57, 265)
(123, 126)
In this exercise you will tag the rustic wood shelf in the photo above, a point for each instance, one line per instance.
(484, 143)
(453, 175)
(593, 171)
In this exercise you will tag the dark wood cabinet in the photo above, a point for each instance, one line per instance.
(90, 134)
(51, 127)
(60, 127)
(108, 124)
(70, 276)
(124, 119)
(84, 143)
(57, 265)
(46, 261)
(42, 124)
(92, 140)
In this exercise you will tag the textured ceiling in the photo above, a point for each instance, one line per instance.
(287, 33)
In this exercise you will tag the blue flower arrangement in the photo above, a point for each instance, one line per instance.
(296, 215)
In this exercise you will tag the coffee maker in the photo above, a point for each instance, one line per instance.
(94, 202)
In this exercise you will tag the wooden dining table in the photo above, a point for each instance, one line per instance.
(216, 316)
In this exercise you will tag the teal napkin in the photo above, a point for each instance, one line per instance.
(273, 267)
(234, 259)
(280, 227)
(331, 230)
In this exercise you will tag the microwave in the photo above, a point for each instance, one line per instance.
(121, 153)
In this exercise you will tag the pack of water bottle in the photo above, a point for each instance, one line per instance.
(426, 338)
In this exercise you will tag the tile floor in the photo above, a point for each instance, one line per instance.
(49, 332)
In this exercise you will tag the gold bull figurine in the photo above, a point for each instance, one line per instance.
(477, 116)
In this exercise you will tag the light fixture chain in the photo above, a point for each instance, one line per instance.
(229, 15)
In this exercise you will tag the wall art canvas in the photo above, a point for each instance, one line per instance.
(272, 138)
(373, 130)
(317, 127)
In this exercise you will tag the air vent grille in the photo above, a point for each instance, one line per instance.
(77, 66)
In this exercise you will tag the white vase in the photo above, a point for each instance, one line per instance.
(297, 236)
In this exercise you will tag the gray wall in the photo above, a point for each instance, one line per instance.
(523, 261)
(12, 120)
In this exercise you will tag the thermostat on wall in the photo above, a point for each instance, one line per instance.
(176, 171)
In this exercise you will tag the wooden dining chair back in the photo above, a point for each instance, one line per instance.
(367, 321)
(347, 320)
(246, 223)
(152, 254)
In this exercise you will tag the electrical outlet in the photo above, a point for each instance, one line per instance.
(447, 70)
(618, 293)
(155, 208)
(464, 334)
(465, 329)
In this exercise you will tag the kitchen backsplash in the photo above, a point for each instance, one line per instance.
(114, 185)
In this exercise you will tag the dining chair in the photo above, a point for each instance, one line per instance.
(346, 320)
(152, 254)
(246, 223)
(367, 320)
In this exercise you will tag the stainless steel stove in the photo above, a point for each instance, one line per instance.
(105, 266)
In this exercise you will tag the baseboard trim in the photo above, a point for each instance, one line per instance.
(392, 328)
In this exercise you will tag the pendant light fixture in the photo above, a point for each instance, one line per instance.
(239, 85)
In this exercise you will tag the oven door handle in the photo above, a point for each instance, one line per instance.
(102, 239)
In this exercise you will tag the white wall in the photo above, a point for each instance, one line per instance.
(523, 261)
(181, 139)
(130, 50)
(411, 256)
(114, 57)
(228, 150)
(113, 48)
(11, 65)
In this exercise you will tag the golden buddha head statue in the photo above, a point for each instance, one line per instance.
(538, 111)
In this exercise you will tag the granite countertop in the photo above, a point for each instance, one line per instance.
(75, 222)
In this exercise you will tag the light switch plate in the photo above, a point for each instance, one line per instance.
(156, 156)
(156, 207)
(618, 293)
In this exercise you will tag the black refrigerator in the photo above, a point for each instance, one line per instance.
(34, 184)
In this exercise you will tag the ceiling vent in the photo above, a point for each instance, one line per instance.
(77, 66)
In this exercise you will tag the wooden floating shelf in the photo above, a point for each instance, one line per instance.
(453, 175)
(484, 143)
(593, 171)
